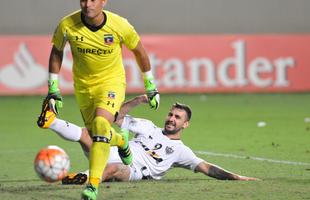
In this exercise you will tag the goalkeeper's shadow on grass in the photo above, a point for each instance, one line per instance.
(38, 188)
(19, 180)
(48, 190)
(24, 181)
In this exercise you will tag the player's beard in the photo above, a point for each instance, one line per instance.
(171, 132)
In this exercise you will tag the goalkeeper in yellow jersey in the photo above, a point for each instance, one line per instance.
(96, 37)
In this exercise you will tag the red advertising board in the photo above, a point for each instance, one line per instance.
(181, 64)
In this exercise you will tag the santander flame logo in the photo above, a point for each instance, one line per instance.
(24, 72)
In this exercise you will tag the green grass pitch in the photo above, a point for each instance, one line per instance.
(225, 125)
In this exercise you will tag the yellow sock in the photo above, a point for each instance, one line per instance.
(117, 139)
(99, 152)
(99, 155)
(95, 182)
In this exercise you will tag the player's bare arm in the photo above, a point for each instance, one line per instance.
(145, 67)
(127, 106)
(142, 57)
(53, 99)
(55, 60)
(219, 173)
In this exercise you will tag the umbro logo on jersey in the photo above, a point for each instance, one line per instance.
(108, 39)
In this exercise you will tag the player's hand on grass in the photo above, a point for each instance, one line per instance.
(151, 92)
(54, 93)
(244, 178)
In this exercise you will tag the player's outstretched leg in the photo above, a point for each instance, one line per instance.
(46, 116)
(90, 193)
(124, 152)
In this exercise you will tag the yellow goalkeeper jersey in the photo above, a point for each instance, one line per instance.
(97, 53)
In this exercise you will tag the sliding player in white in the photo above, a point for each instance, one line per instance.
(155, 150)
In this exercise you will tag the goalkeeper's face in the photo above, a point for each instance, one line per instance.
(176, 120)
(92, 8)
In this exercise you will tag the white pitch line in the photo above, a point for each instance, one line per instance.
(252, 158)
(198, 152)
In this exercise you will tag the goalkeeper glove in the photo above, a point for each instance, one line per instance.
(151, 90)
(54, 93)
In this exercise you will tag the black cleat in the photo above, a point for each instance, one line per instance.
(75, 179)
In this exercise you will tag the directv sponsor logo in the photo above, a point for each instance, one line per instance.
(94, 51)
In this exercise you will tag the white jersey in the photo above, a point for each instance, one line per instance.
(154, 153)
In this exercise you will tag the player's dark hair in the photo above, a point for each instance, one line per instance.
(184, 107)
